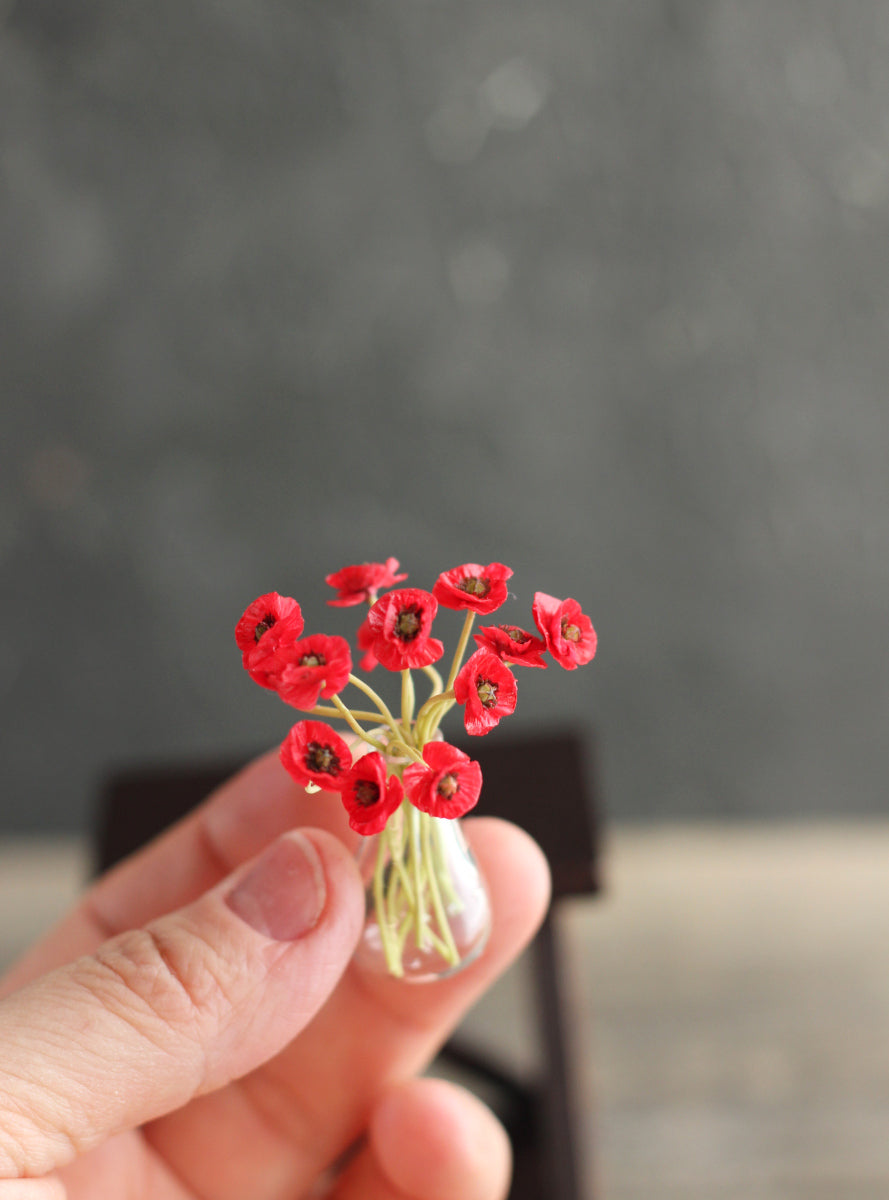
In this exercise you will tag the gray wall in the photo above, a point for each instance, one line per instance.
(596, 288)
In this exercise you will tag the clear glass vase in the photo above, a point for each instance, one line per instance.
(428, 912)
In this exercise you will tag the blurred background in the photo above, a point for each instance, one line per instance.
(596, 289)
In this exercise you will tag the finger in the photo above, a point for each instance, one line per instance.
(239, 820)
(429, 1140)
(31, 1189)
(174, 1010)
(306, 1107)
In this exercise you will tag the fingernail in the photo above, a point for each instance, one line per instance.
(283, 894)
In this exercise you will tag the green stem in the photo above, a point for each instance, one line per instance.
(398, 749)
(399, 872)
(441, 866)
(321, 710)
(353, 724)
(404, 929)
(407, 701)
(437, 683)
(461, 647)
(417, 856)
(442, 947)
(390, 950)
(385, 712)
(453, 954)
(429, 716)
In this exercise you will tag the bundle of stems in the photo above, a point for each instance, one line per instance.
(413, 891)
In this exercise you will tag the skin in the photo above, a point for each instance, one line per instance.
(156, 1045)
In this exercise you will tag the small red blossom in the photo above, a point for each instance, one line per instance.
(315, 666)
(313, 753)
(363, 581)
(487, 689)
(570, 637)
(365, 639)
(472, 586)
(449, 783)
(400, 622)
(370, 798)
(268, 623)
(511, 644)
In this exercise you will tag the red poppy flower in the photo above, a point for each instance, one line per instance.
(569, 633)
(448, 785)
(365, 639)
(315, 666)
(487, 688)
(363, 581)
(370, 798)
(267, 623)
(473, 586)
(400, 622)
(313, 753)
(511, 644)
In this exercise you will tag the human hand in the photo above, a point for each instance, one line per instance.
(195, 1028)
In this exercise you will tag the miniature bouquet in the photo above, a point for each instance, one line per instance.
(402, 784)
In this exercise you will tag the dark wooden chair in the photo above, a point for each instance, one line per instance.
(542, 782)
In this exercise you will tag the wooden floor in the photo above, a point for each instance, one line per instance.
(730, 996)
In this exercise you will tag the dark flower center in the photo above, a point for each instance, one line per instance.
(312, 660)
(475, 585)
(264, 625)
(487, 692)
(367, 793)
(408, 624)
(321, 758)
(516, 634)
(570, 632)
(448, 786)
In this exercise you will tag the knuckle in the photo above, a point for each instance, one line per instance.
(161, 983)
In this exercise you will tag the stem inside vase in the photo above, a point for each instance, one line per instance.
(428, 913)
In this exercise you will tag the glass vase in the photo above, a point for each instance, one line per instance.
(428, 912)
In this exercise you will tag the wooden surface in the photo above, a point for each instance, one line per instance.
(730, 1000)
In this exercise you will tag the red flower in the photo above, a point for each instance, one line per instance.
(369, 797)
(511, 644)
(313, 753)
(365, 639)
(400, 622)
(363, 581)
(473, 586)
(316, 666)
(569, 633)
(488, 690)
(448, 785)
(267, 623)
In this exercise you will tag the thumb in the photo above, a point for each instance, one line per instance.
(162, 1014)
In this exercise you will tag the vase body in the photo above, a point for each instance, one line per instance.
(428, 912)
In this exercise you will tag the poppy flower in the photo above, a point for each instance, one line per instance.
(487, 689)
(267, 623)
(472, 586)
(511, 644)
(363, 581)
(370, 798)
(315, 666)
(570, 637)
(446, 784)
(400, 622)
(313, 753)
(365, 639)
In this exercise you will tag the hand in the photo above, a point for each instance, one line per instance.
(194, 1029)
